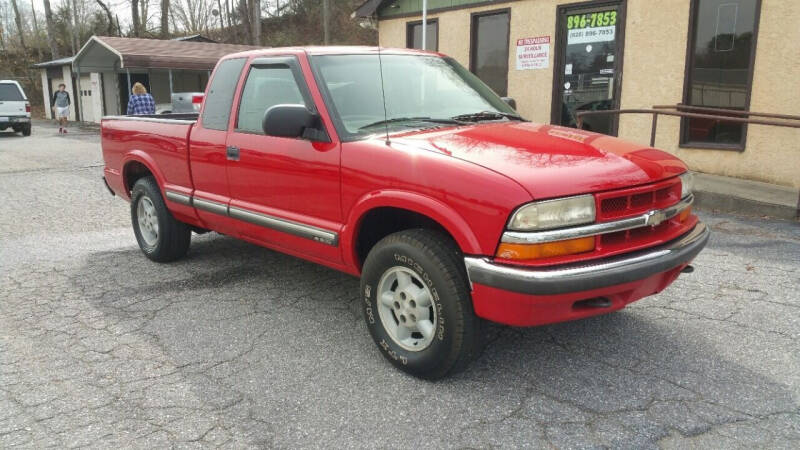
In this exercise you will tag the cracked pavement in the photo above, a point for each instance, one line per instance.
(239, 346)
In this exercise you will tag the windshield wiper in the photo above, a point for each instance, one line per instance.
(486, 115)
(452, 121)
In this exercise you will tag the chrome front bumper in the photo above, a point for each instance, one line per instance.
(592, 274)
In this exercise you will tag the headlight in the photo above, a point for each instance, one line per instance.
(687, 184)
(557, 213)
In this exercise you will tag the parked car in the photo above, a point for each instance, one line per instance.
(15, 110)
(182, 102)
(451, 208)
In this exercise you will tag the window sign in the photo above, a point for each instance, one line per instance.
(533, 53)
(591, 27)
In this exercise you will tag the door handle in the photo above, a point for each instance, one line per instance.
(232, 153)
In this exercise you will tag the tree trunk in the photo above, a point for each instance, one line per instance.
(143, 16)
(135, 17)
(76, 32)
(164, 19)
(36, 40)
(51, 30)
(256, 22)
(18, 21)
(244, 13)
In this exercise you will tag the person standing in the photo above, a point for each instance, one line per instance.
(140, 102)
(60, 105)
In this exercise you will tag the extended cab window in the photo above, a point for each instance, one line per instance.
(218, 103)
(10, 93)
(266, 86)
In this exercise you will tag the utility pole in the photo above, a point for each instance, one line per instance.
(326, 18)
(424, 24)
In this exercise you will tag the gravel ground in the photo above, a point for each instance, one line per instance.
(238, 346)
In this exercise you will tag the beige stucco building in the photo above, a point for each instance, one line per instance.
(622, 54)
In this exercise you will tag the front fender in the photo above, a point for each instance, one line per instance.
(438, 211)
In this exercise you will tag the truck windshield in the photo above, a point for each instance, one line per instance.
(421, 91)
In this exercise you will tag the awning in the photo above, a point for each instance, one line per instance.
(368, 8)
(102, 53)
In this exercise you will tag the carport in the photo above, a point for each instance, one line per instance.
(163, 66)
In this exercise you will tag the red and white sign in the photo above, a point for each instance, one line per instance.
(533, 53)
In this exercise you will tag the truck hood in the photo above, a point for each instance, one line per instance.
(549, 161)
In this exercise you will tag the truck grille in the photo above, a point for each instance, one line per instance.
(630, 202)
(634, 201)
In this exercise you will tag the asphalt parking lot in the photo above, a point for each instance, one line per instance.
(239, 346)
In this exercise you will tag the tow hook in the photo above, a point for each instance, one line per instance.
(688, 269)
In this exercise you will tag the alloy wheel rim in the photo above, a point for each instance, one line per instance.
(148, 221)
(406, 309)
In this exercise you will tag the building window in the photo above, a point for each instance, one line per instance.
(719, 69)
(489, 48)
(414, 35)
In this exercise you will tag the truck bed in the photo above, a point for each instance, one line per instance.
(161, 140)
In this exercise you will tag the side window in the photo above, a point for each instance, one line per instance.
(219, 100)
(266, 86)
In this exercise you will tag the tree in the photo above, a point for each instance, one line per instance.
(256, 7)
(51, 30)
(164, 19)
(18, 21)
(110, 29)
(36, 40)
(135, 17)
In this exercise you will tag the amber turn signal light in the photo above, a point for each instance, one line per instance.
(545, 250)
(685, 214)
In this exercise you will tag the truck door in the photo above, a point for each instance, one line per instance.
(284, 191)
(207, 147)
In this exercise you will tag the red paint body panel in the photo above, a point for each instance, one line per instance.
(469, 179)
(523, 310)
(551, 161)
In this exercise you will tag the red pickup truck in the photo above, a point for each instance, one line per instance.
(403, 168)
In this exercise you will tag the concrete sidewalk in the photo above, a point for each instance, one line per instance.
(751, 198)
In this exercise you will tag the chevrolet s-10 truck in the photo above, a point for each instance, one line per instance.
(403, 168)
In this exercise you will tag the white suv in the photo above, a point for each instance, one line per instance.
(15, 110)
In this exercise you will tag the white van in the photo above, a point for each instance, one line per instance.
(15, 110)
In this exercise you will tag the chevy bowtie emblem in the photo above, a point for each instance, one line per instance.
(654, 218)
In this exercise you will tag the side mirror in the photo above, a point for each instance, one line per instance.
(510, 102)
(287, 120)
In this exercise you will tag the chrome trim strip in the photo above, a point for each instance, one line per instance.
(651, 218)
(152, 119)
(178, 197)
(590, 274)
(286, 226)
(276, 223)
(210, 206)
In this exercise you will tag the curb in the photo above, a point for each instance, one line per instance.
(745, 197)
(715, 201)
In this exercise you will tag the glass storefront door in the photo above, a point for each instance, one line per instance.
(588, 64)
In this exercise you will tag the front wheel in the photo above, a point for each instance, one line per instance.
(417, 304)
(161, 237)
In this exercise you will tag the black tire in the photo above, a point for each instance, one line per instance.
(458, 332)
(173, 237)
(26, 130)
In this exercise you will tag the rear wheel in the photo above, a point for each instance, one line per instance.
(26, 130)
(161, 237)
(417, 304)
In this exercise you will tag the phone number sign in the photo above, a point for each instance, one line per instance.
(533, 53)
